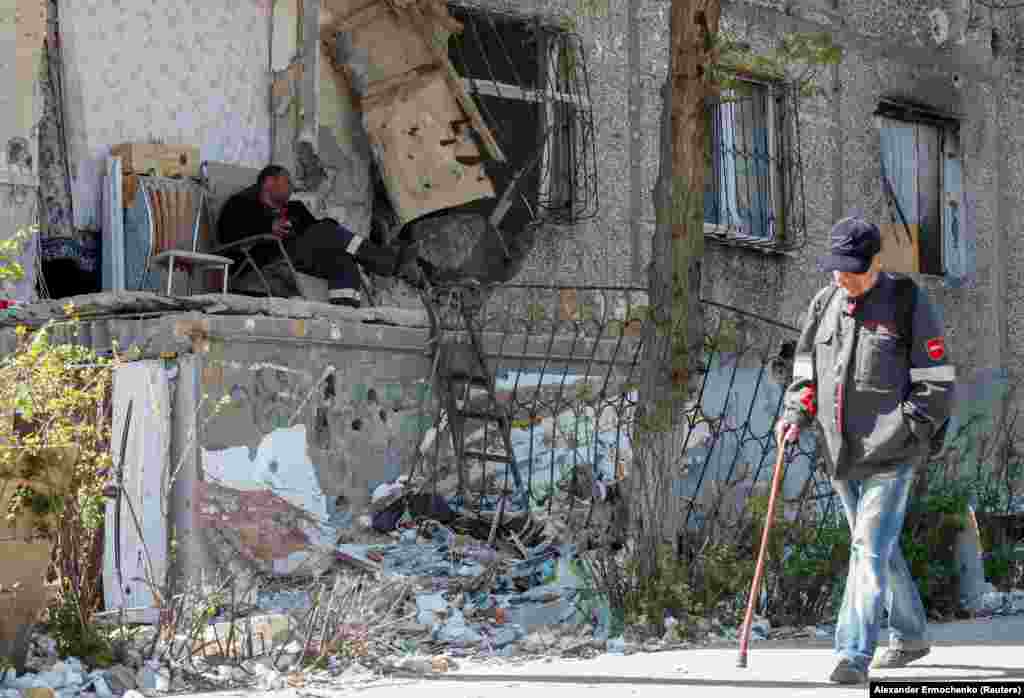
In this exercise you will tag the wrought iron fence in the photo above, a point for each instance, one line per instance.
(568, 362)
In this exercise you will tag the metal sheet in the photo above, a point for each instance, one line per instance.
(143, 537)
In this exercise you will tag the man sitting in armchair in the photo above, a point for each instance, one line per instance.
(322, 248)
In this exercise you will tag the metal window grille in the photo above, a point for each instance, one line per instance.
(531, 83)
(754, 185)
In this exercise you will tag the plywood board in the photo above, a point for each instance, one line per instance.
(898, 253)
(428, 136)
(388, 45)
(143, 553)
(415, 145)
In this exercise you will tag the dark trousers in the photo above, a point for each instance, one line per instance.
(331, 252)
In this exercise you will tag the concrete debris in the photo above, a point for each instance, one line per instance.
(411, 607)
(998, 603)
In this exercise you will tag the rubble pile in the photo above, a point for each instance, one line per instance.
(1000, 603)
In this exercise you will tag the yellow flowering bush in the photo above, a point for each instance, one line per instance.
(55, 450)
(55, 398)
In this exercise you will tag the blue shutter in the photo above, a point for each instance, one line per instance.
(759, 211)
(899, 140)
(958, 234)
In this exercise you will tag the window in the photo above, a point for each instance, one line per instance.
(744, 186)
(529, 83)
(920, 172)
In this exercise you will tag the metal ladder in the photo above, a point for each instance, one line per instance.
(468, 395)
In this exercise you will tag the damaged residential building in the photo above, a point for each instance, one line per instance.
(516, 143)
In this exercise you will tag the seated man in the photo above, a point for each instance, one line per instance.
(322, 248)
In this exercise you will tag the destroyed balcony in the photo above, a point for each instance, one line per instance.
(480, 125)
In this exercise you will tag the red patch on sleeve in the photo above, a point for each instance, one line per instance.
(809, 401)
(936, 348)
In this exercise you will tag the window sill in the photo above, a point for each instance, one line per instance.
(722, 235)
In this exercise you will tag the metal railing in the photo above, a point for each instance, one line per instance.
(568, 363)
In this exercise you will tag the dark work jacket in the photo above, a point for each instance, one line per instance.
(244, 215)
(876, 388)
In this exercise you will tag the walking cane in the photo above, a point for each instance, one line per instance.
(759, 570)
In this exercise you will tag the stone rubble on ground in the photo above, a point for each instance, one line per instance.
(1000, 603)
(457, 600)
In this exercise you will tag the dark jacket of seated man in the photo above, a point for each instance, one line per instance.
(319, 247)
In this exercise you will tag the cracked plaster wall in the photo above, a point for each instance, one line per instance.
(351, 429)
(191, 72)
(890, 50)
(343, 188)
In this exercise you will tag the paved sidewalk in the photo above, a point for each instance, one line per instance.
(977, 650)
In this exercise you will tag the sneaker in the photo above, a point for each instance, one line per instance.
(895, 659)
(848, 673)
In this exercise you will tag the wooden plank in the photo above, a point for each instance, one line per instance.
(384, 91)
(417, 156)
(129, 188)
(432, 36)
(388, 45)
(159, 159)
(898, 254)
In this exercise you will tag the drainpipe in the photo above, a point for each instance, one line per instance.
(635, 100)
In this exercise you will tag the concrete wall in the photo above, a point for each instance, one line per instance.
(841, 173)
(285, 428)
(191, 72)
(891, 50)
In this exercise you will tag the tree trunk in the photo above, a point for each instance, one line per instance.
(675, 334)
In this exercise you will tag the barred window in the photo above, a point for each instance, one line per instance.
(531, 85)
(744, 192)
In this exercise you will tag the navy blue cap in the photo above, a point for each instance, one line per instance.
(855, 242)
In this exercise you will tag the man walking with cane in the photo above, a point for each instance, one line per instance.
(871, 369)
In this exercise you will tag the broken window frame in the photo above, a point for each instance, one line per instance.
(773, 92)
(948, 194)
(560, 146)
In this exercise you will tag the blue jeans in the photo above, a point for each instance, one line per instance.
(875, 509)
